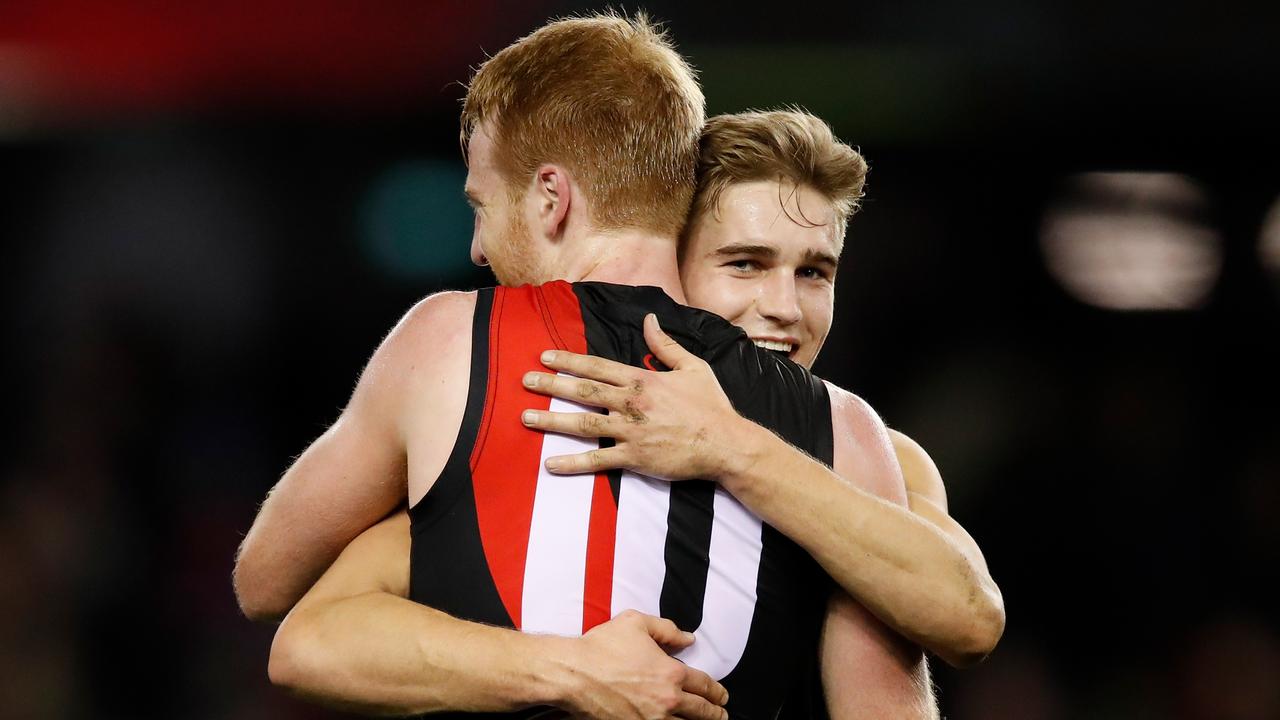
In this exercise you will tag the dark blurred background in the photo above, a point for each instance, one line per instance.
(1065, 283)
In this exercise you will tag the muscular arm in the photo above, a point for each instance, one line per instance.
(868, 670)
(898, 564)
(355, 642)
(354, 474)
(910, 573)
(927, 497)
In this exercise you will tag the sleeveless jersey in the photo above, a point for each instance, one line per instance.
(501, 541)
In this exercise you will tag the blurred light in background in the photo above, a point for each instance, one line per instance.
(1132, 241)
(1269, 243)
(69, 63)
(414, 222)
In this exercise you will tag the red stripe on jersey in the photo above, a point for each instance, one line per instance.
(597, 591)
(525, 321)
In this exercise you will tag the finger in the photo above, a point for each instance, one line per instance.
(696, 707)
(579, 424)
(588, 366)
(663, 346)
(567, 387)
(703, 685)
(588, 462)
(665, 633)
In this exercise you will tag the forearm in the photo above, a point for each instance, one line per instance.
(905, 570)
(378, 653)
(319, 506)
(264, 594)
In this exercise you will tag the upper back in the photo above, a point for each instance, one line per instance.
(500, 540)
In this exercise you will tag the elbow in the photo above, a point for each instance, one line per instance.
(292, 662)
(981, 634)
(255, 598)
(283, 666)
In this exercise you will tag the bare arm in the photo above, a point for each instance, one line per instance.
(870, 672)
(927, 497)
(354, 474)
(356, 643)
(904, 568)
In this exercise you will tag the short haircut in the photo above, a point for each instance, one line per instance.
(790, 144)
(609, 98)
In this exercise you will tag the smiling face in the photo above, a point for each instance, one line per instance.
(765, 260)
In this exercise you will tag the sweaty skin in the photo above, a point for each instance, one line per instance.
(917, 571)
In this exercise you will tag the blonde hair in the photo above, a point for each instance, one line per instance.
(790, 144)
(609, 98)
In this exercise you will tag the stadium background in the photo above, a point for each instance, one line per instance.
(1065, 283)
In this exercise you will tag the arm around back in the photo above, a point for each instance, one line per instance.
(927, 498)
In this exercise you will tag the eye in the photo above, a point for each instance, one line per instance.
(743, 265)
(812, 273)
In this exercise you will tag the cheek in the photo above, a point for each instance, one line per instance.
(717, 294)
(819, 307)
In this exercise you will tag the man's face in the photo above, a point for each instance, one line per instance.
(501, 238)
(756, 267)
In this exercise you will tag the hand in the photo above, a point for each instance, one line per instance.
(675, 425)
(626, 674)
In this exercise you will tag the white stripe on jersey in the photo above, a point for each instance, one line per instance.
(556, 566)
(730, 600)
(639, 552)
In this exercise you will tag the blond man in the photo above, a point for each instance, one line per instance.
(775, 193)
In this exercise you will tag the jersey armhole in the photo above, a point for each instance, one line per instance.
(478, 381)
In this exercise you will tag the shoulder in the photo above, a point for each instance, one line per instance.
(439, 317)
(425, 339)
(856, 418)
(918, 469)
(863, 451)
(434, 324)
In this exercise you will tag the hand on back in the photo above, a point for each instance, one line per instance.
(623, 671)
(674, 425)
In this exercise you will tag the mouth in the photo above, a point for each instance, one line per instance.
(777, 347)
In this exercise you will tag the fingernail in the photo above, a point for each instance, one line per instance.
(689, 636)
(530, 379)
(554, 463)
(548, 356)
(529, 417)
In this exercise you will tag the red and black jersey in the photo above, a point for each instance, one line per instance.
(499, 540)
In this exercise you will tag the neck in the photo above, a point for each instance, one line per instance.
(626, 257)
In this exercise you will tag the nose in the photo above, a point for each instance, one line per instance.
(477, 253)
(778, 300)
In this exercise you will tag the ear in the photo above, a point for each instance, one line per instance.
(553, 193)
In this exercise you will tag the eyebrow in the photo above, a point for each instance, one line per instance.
(813, 257)
(817, 257)
(744, 249)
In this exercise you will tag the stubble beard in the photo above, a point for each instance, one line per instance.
(519, 263)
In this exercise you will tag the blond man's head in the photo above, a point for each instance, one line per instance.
(791, 146)
(608, 98)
